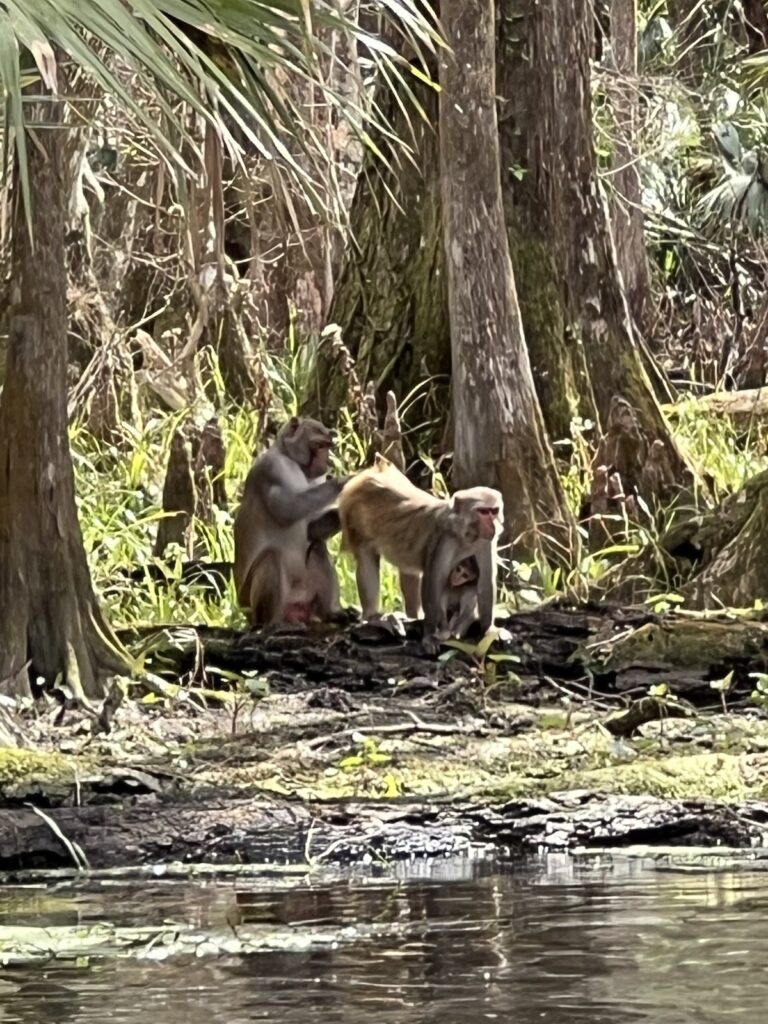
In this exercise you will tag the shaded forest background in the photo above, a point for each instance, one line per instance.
(204, 308)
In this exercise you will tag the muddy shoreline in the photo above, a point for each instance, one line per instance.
(579, 727)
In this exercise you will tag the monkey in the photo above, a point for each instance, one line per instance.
(460, 597)
(427, 538)
(283, 572)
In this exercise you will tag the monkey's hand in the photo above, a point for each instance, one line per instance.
(343, 617)
(430, 645)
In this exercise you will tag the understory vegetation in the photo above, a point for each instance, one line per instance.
(120, 500)
(695, 136)
(553, 284)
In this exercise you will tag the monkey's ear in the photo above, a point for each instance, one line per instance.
(293, 424)
(460, 505)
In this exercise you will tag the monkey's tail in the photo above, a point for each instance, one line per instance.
(350, 537)
(347, 537)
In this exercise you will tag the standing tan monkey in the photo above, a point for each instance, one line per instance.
(283, 571)
(428, 539)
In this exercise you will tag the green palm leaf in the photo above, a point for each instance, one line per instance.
(167, 41)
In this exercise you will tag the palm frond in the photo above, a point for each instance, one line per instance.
(742, 197)
(220, 57)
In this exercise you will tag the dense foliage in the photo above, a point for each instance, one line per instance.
(205, 241)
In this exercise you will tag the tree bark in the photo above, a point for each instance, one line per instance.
(50, 623)
(728, 543)
(559, 366)
(499, 435)
(556, 148)
(389, 298)
(756, 24)
(626, 206)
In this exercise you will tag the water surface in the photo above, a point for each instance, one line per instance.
(459, 942)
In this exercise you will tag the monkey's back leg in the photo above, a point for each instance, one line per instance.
(267, 589)
(367, 577)
(322, 582)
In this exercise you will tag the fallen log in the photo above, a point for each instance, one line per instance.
(266, 831)
(615, 649)
(745, 409)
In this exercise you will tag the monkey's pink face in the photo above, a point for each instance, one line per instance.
(461, 575)
(318, 463)
(486, 517)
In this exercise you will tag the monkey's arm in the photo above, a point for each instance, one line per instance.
(486, 585)
(288, 505)
(439, 562)
(324, 526)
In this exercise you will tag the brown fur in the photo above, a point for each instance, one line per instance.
(383, 514)
(383, 495)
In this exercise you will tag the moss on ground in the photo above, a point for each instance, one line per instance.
(20, 767)
(286, 747)
(721, 757)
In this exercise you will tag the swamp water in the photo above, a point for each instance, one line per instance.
(556, 940)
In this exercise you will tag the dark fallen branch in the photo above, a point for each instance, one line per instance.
(262, 830)
(609, 648)
(649, 709)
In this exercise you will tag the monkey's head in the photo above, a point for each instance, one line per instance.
(463, 573)
(480, 512)
(308, 442)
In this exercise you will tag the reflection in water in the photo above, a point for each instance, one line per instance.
(551, 940)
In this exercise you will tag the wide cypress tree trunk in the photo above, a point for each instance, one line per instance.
(499, 436)
(559, 367)
(626, 208)
(389, 297)
(50, 623)
(548, 135)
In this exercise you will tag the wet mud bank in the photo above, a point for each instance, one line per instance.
(259, 831)
(578, 727)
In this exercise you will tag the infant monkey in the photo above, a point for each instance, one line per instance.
(460, 597)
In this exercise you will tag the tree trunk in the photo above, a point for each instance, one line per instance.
(389, 298)
(756, 24)
(558, 152)
(559, 367)
(50, 623)
(728, 544)
(499, 435)
(626, 206)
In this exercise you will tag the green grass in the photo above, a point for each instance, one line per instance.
(718, 448)
(120, 491)
(119, 494)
